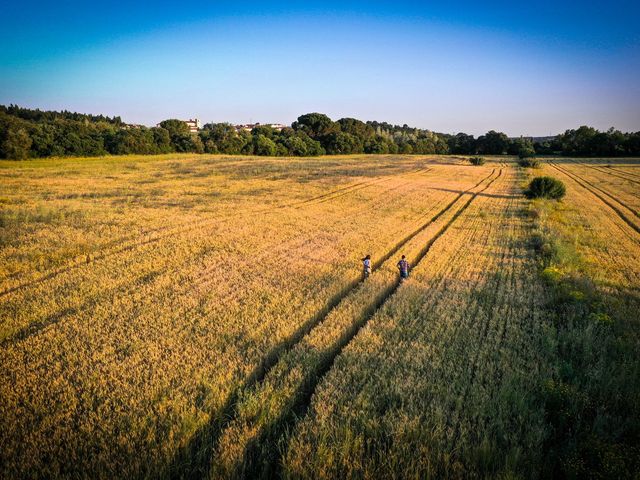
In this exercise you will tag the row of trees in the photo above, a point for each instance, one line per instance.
(28, 133)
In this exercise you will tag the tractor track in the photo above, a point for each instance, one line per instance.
(594, 191)
(87, 259)
(613, 173)
(305, 402)
(306, 391)
(605, 192)
(201, 280)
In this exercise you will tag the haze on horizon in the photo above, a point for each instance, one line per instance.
(521, 69)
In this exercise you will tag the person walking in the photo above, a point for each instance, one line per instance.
(366, 265)
(403, 266)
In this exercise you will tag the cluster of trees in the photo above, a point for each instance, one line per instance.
(583, 142)
(317, 134)
(28, 133)
(589, 142)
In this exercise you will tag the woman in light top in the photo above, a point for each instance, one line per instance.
(366, 265)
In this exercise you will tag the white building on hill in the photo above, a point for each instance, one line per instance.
(193, 124)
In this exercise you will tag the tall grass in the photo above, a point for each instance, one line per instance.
(591, 401)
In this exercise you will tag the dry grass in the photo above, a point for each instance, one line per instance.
(173, 315)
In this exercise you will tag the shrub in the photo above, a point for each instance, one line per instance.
(546, 187)
(476, 161)
(529, 162)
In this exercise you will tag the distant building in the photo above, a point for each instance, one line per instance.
(193, 124)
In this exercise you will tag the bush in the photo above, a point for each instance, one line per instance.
(546, 187)
(476, 161)
(529, 162)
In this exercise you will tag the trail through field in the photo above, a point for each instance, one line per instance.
(152, 236)
(248, 445)
(612, 172)
(423, 391)
(199, 282)
(622, 209)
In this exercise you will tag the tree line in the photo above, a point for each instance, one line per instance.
(28, 133)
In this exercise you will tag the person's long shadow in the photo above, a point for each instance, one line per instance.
(194, 460)
(490, 195)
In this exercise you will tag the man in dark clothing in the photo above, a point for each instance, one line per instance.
(403, 266)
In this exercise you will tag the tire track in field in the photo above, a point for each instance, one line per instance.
(303, 405)
(594, 191)
(471, 311)
(123, 290)
(605, 192)
(202, 279)
(611, 172)
(85, 260)
(621, 170)
(194, 460)
(498, 298)
(259, 452)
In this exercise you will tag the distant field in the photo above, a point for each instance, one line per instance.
(205, 317)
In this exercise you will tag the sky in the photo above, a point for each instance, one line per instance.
(517, 67)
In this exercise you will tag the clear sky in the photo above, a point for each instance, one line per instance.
(530, 68)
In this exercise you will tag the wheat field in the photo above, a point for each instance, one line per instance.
(202, 316)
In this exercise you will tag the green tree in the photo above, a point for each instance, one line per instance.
(17, 144)
(316, 125)
(264, 146)
(175, 127)
(296, 146)
(162, 139)
(357, 128)
(493, 143)
(342, 143)
(523, 147)
(462, 144)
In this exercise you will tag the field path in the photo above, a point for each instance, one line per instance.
(612, 172)
(248, 445)
(600, 194)
(152, 236)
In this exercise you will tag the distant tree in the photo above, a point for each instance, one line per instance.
(493, 143)
(316, 125)
(264, 146)
(296, 146)
(342, 143)
(578, 142)
(281, 150)
(378, 145)
(462, 144)
(210, 146)
(161, 139)
(175, 127)
(357, 128)
(633, 144)
(44, 143)
(265, 130)
(405, 148)
(523, 147)
(17, 144)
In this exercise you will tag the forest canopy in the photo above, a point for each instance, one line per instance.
(28, 133)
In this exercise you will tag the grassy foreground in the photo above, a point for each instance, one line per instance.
(204, 316)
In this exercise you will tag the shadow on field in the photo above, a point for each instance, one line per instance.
(194, 460)
(490, 195)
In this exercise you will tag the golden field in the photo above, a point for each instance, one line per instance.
(204, 317)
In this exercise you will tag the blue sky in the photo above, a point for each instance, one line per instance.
(522, 69)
